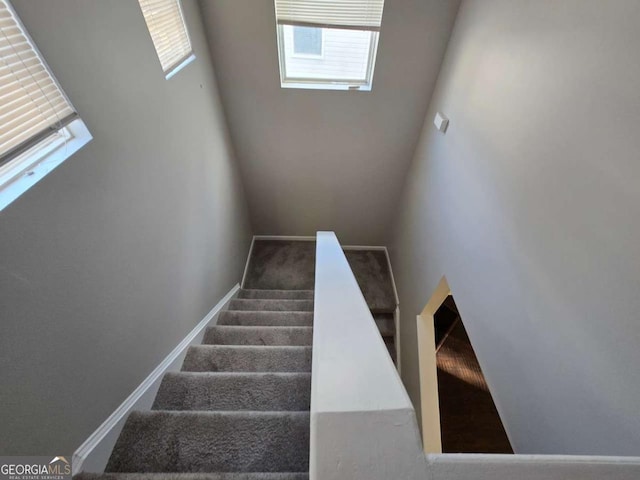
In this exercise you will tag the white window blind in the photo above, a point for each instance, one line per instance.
(32, 105)
(168, 31)
(346, 14)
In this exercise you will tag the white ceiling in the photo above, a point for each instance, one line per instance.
(326, 160)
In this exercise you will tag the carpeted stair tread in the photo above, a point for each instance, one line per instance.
(391, 348)
(226, 358)
(234, 391)
(371, 269)
(279, 305)
(242, 335)
(194, 476)
(276, 294)
(281, 264)
(385, 323)
(289, 319)
(169, 441)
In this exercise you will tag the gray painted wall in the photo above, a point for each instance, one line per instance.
(114, 257)
(530, 205)
(326, 160)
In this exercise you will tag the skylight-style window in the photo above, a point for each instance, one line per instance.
(39, 128)
(168, 30)
(328, 44)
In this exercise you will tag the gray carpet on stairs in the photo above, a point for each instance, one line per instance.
(239, 409)
(193, 476)
(243, 335)
(234, 391)
(231, 358)
(181, 441)
(269, 305)
(277, 264)
(276, 294)
(371, 270)
(276, 319)
(385, 323)
(281, 264)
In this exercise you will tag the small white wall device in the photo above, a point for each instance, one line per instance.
(441, 122)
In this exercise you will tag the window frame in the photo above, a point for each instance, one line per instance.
(172, 70)
(30, 161)
(324, 83)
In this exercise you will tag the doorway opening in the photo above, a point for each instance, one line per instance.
(469, 420)
(458, 414)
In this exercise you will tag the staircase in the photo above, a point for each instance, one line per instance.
(239, 407)
(373, 275)
(290, 264)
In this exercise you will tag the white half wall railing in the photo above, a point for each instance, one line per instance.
(363, 425)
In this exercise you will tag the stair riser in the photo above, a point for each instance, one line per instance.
(209, 358)
(192, 476)
(274, 336)
(271, 305)
(387, 328)
(263, 319)
(212, 442)
(217, 391)
(277, 294)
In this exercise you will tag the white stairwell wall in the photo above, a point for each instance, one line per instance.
(115, 256)
(363, 425)
(529, 205)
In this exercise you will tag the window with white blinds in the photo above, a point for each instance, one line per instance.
(349, 30)
(39, 128)
(351, 14)
(32, 105)
(168, 30)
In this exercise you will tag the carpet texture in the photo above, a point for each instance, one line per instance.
(231, 358)
(239, 409)
(281, 264)
(275, 319)
(243, 335)
(234, 391)
(371, 270)
(275, 294)
(193, 476)
(278, 264)
(161, 441)
(271, 305)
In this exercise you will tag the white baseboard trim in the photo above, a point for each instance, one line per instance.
(93, 454)
(246, 265)
(396, 339)
(393, 279)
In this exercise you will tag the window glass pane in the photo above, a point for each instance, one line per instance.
(168, 31)
(346, 55)
(307, 40)
(32, 105)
